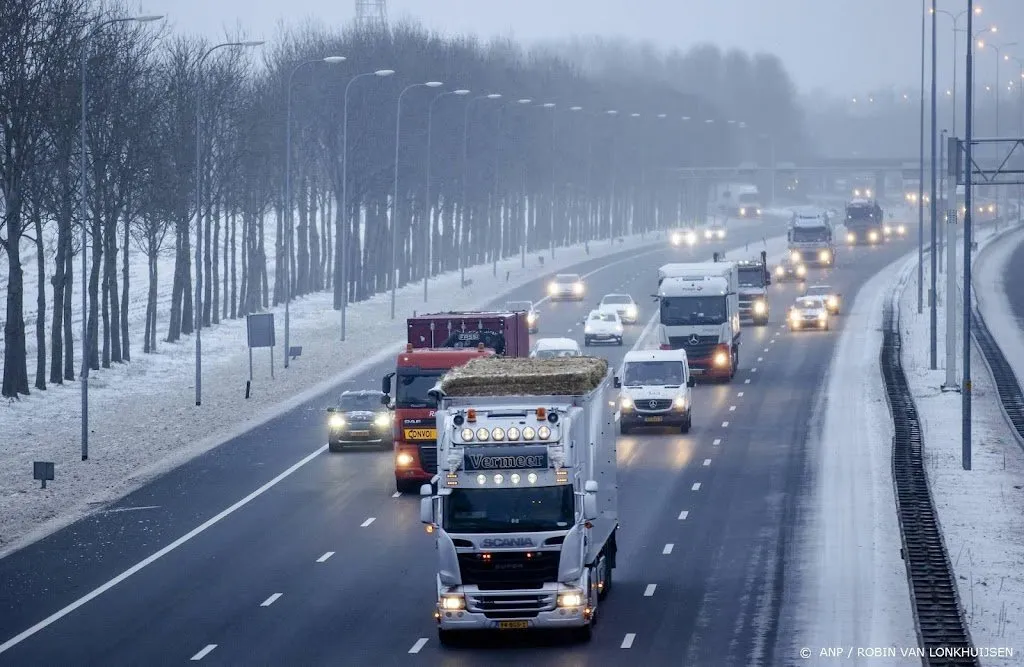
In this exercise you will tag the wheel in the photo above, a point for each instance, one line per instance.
(586, 341)
(735, 364)
(447, 637)
(618, 342)
(407, 486)
(685, 428)
(334, 447)
(762, 323)
(623, 429)
(607, 581)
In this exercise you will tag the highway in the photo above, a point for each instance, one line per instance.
(1013, 287)
(328, 565)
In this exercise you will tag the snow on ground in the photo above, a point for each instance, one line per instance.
(989, 277)
(855, 584)
(981, 511)
(157, 392)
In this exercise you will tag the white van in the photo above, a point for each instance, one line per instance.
(655, 390)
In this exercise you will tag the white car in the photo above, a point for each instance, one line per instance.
(809, 312)
(714, 232)
(602, 327)
(655, 390)
(566, 286)
(553, 348)
(682, 237)
(623, 305)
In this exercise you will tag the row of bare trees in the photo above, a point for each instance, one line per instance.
(544, 165)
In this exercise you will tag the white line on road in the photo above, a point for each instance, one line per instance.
(753, 370)
(761, 358)
(732, 408)
(668, 549)
(202, 654)
(683, 515)
(396, 494)
(649, 591)
(217, 518)
(716, 442)
(707, 462)
(725, 424)
(627, 641)
(765, 349)
(327, 555)
(747, 381)
(418, 646)
(739, 395)
(368, 522)
(130, 509)
(271, 600)
(695, 487)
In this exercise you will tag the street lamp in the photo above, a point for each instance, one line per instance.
(965, 394)
(554, 133)
(83, 186)
(956, 61)
(465, 163)
(341, 243)
(332, 60)
(197, 312)
(428, 237)
(394, 202)
(526, 218)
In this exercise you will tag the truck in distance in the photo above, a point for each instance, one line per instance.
(754, 277)
(525, 517)
(810, 239)
(864, 222)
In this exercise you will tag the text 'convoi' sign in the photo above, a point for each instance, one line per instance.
(507, 458)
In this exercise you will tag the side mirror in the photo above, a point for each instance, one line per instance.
(691, 381)
(385, 383)
(427, 510)
(332, 410)
(618, 382)
(589, 500)
(385, 400)
(767, 278)
(426, 490)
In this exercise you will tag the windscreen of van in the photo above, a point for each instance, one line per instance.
(653, 373)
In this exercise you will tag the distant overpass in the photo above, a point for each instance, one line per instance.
(819, 165)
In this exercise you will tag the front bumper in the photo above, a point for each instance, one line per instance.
(604, 337)
(356, 435)
(807, 325)
(666, 418)
(544, 615)
(423, 466)
(565, 296)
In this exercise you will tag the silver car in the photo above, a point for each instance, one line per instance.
(809, 312)
(567, 286)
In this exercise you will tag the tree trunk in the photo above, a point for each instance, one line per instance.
(243, 296)
(208, 277)
(93, 329)
(234, 275)
(126, 352)
(69, 347)
(339, 261)
(112, 326)
(301, 262)
(150, 343)
(214, 273)
(328, 249)
(40, 304)
(57, 341)
(280, 258)
(261, 264)
(188, 320)
(315, 280)
(15, 365)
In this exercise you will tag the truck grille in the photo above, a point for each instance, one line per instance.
(509, 570)
(704, 348)
(510, 606)
(428, 458)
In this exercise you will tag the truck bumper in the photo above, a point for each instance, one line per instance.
(413, 463)
(705, 369)
(574, 617)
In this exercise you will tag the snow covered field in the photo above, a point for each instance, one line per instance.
(981, 511)
(158, 391)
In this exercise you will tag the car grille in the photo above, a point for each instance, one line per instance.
(511, 606)
(509, 570)
(657, 404)
(428, 458)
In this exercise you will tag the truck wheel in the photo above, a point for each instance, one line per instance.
(447, 637)
(406, 486)
(607, 581)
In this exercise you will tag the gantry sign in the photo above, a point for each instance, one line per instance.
(993, 161)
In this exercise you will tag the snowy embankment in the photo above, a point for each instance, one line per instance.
(143, 420)
(854, 590)
(981, 511)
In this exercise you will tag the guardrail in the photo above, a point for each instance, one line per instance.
(941, 629)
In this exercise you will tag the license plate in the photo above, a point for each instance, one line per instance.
(653, 419)
(696, 371)
(359, 433)
(513, 625)
(421, 434)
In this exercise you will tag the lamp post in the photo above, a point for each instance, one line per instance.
(920, 181)
(554, 133)
(197, 311)
(965, 394)
(341, 243)
(288, 196)
(933, 203)
(83, 191)
(428, 237)
(395, 198)
(956, 61)
(465, 163)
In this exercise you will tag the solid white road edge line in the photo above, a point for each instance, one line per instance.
(368, 522)
(668, 549)
(649, 591)
(202, 654)
(627, 641)
(271, 600)
(93, 594)
(323, 558)
(418, 646)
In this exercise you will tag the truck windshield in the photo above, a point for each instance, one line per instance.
(810, 234)
(860, 213)
(679, 311)
(515, 510)
(748, 198)
(653, 373)
(751, 276)
(411, 390)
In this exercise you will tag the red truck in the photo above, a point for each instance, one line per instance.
(436, 343)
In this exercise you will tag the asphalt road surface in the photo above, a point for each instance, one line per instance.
(328, 565)
(1014, 288)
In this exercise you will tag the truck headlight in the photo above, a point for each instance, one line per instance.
(531, 318)
(780, 271)
(851, 237)
(381, 420)
(708, 234)
(336, 421)
(570, 599)
(453, 602)
(578, 288)
(801, 270)
(677, 238)
(873, 236)
(743, 211)
(824, 256)
(679, 403)
(760, 307)
(553, 288)
(795, 256)
(901, 229)
(691, 238)
(759, 211)
(721, 358)
(404, 459)
(721, 233)
(626, 403)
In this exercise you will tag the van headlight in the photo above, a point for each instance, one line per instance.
(760, 307)
(453, 602)
(677, 238)
(336, 421)
(381, 420)
(570, 599)
(553, 288)
(679, 403)
(625, 403)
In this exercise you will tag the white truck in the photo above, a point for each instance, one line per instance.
(738, 200)
(525, 516)
(699, 313)
(754, 279)
(810, 239)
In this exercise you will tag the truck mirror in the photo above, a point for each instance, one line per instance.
(618, 382)
(767, 277)
(332, 409)
(427, 509)
(590, 486)
(385, 383)
(426, 490)
(691, 381)
(589, 506)
(385, 400)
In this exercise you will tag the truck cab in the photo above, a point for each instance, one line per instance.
(754, 277)
(525, 514)
(864, 222)
(810, 239)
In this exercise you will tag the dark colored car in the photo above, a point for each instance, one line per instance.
(789, 271)
(359, 419)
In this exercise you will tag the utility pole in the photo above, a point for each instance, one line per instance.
(933, 204)
(965, 394)
(953, 157)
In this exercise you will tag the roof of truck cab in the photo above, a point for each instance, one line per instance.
(710, 285)
(634, 356)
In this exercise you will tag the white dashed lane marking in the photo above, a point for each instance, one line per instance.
(327, 555)
(695, 487)
(205, 652)
(716, 442)
(725, 424)
(753, 370)
(765, 349)
(627, 641)
(396, 494)
(747, 381)
(271, 600)
(707, 462)
(683, 515)
(761, 358)
(368, 522)
(418, 646)
(732, 408)
(649, 591)
(739, 395)
(668, 549)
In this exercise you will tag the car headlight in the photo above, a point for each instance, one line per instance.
(795, 256)
(759, 307)
(708, 234)
(531, 318)
(578, 288)
(822, 316)
(553, 288)
(626, 403)
(677, 238)
(743, 211)
(336, 421)
(759, 211)
(721, 233)
(721, 358)
(851, 237)
(679, 403)
(691, 238)
(453, 602)
(382, 420)
(631, 311)
(404, 459)
(873, 236)
(780, 271)
(901, 229)
(801, 270)
(587, 329)
(833, 302)
(570, 599)
(794, 315)
(618, 328)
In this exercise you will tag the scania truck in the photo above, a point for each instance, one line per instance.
(437, 343)
(810, 239)
(525, 516)
(699, 313)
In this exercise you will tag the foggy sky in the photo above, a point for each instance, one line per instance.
(845, 47)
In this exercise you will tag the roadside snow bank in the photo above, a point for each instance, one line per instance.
(990, 289)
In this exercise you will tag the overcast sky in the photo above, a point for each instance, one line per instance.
(843, 46)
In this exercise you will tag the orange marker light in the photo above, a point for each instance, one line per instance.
(471, 415)
(542, 414)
